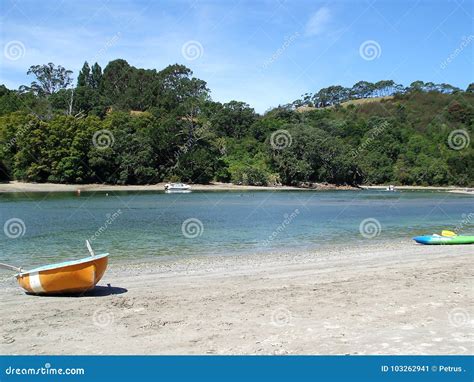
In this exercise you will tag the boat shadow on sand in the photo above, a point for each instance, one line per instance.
(98, 291)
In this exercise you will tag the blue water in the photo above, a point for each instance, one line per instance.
(145, 225)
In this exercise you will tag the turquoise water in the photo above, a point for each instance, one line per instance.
(144, 225)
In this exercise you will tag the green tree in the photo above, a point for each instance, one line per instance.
(49, 79)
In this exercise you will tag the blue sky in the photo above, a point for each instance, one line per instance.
(262, 52)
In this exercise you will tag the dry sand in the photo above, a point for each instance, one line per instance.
(402, 299)
(16, 187)
(54, 187)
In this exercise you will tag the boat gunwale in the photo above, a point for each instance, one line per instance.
(63, 264)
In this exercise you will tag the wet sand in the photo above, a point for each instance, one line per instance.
(398, 299)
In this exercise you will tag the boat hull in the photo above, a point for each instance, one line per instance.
(177, 187)
(70, 277)
(444, 240)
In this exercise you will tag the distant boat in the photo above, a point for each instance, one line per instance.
(177, 187)
(390, 188)
(75, 276)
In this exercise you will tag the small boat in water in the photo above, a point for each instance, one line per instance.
(177, 187)
(75, 276)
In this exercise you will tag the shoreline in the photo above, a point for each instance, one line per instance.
(17, 187)
(452, 189)
(56, 187)
(398, 298)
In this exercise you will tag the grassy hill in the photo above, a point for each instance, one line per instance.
(303, 109)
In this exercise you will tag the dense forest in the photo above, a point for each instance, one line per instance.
(124, 125)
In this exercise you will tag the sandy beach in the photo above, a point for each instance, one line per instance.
(400, 298)
(55, 187)
(16, 187)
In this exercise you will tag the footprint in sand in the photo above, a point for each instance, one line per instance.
(8, 340)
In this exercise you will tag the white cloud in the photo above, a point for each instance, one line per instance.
(318, 22)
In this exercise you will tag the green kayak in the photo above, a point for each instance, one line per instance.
(437, 239)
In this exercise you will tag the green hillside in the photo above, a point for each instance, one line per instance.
(124, 125)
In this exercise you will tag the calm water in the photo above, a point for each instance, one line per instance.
(143, 225)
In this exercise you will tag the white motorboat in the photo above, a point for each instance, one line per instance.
(177, 187)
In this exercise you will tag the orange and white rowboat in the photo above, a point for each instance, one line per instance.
(75, 276)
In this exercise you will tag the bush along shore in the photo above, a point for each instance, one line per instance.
(123, 125)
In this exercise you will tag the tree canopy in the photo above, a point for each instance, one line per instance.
(126, 125)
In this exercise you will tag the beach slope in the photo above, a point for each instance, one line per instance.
(398, 299)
